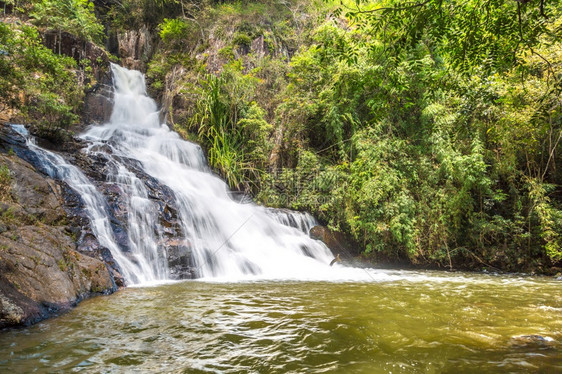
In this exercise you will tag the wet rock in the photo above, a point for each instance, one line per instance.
(174, 243)
(87, 242)
(180, 261)
(98, 102)
(99, 167)
(55, 139)
(9, 138)
(532, 341)
(12, 142)
(121, 237)
(336, 241)
(119, 279)
(80, 229)
(169, 214)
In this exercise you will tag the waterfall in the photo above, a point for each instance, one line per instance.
(227, 240)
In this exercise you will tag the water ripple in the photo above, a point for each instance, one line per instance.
(296, 327)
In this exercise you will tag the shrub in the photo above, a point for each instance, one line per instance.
(172, 31)
(74, 16)
(242, 40)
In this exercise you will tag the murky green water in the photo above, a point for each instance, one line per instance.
(409, 322)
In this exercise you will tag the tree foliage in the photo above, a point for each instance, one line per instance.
(36, 81)
(232, 126)
(74, 16)
(474, 34)
(428, 130)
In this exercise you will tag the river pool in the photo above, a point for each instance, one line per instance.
(396, 322)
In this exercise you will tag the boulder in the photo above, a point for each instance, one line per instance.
(336, 241)
(180, 261)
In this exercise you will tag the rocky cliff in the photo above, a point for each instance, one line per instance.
(41, 271)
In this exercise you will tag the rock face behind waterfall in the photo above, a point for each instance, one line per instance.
(41, 271)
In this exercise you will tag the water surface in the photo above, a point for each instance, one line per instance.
(404, 322)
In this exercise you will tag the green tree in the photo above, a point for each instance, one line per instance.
(73, 16)
(34, 80)
(471, 34)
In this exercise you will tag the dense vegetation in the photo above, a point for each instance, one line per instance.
(428, 130)
(39, 85)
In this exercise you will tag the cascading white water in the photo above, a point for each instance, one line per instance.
(229, 240)
(300, 220)
(138, 270)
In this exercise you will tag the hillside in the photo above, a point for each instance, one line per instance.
(426, 132)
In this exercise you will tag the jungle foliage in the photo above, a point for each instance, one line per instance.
(428, 130)
(40, 86)
(74, 16)
(36, 81)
